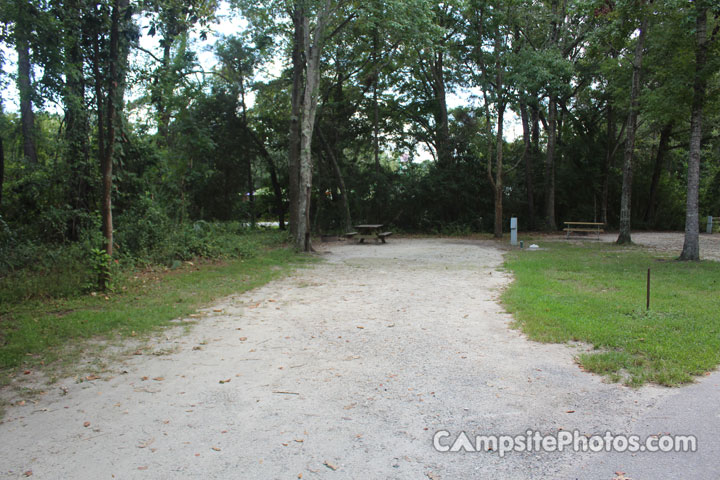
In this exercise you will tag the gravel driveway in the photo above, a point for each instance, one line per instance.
(344, 370)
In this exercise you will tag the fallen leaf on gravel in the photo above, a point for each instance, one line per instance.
(92, 377)
(361, 328)
(330, 465)
(137, 352)
(224, 431)
(86, 424)
(299, 475)
(145, 378)
(21, 403)
(159, 379)
(242, 339)
(28, 473)
(27, 372)
(570, 411)
(217, 310)
(217, 449)
(144, 467)
(299, 440)
(284, 444)
(197, 347)
(225, 381)
(432, 476)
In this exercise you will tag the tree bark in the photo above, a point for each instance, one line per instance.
(27, 118)
(114, 98)
(657, 171)
(77, 155)
(691, 246)
(498, 184)
(307, 124)
(528, 161)
(2, 171)
(550, 165)
(442, 128)
(626, 200)
(609, 154)
(299, 23)
(251, 193)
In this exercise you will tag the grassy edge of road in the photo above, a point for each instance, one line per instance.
(51, 335)
(595, 293)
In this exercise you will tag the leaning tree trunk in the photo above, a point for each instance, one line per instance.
(277, 189)
(691, 247)
(550, 165)
(657, 171)
(626, 200)
(347, 220)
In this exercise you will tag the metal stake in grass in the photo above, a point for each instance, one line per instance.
(648, 290)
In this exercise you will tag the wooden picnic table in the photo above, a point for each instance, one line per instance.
(584, 227)
(371, 230)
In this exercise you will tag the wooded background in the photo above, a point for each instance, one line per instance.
(126, 148)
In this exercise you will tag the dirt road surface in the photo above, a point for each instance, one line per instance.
(344, 370)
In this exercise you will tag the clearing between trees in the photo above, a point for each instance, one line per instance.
(342, 370)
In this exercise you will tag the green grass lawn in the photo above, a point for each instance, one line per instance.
(595, 293)
(41, 331)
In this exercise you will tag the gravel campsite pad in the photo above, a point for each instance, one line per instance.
(672, 242)
(344, 370)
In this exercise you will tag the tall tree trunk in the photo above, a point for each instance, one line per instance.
(550, 165)
(528, 161)
(691, 247)
(657, 171)
(313, 51)
(2, 171)
(251, 193)
(442, 128)
(299, 23)
(77, 155)
(609, 154)
(115, 90)
(626, 199)
(498, 184)
(27, 118)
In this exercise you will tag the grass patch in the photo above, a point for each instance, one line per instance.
(41, 331)
(596, 294)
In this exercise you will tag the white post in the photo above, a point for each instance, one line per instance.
(709, 225)
(513, 231)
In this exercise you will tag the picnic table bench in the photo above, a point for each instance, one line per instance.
(583, 227)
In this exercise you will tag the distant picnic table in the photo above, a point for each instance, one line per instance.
(367, 231)
(584, 227)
